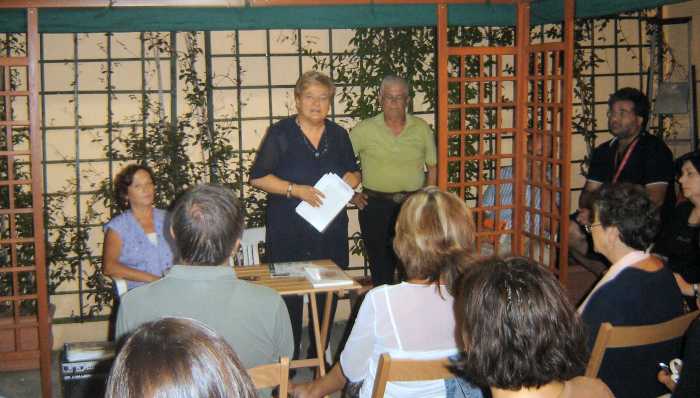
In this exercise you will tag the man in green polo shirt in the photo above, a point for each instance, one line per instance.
(395, 150)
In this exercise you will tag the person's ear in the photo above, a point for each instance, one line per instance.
(613, 235)
(172, 233)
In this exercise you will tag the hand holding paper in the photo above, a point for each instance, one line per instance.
(309, 194)
(336, 194)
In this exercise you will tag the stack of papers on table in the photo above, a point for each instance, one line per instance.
(293, 269)
(325, 277)
(337, 194)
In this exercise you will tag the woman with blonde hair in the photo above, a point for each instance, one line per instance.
(413, 319)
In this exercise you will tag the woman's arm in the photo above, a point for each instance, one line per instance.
(328, 384)
(273, 184)
(352, 178)
(111, 265)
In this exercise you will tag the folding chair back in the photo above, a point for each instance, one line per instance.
(408, 370)
(610, 336)
(270, 376)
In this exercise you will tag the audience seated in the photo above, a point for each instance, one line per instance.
(636, 290)
(207, 222)
(177, 357)
(413, 319)
(679, 241)
(521, 336)
(127, 255)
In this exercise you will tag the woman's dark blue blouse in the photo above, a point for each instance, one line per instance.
(286, 153)
(635, 297)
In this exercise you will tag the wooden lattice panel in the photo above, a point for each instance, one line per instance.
(544, 154)
(480, 138)
(24, 315)
(504, 126)
(18, 280)
(18, 292)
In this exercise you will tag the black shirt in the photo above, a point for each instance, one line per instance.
(650, 162)
(679, 242)
(635, 297)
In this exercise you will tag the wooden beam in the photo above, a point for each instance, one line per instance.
(522, 38)
(119, 3)
(35, 138)
(442, 122)
(270, 3)
(566, 130)
(222, 3)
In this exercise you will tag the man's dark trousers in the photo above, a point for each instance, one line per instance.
(377, 221)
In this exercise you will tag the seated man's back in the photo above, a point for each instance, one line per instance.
(253, 319)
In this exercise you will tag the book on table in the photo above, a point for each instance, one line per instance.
(326, 277)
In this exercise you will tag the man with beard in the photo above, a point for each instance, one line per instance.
(632, 156)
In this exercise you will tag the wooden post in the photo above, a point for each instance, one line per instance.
(567, 111)
(38, 199)
(442, 124)
(522, 44)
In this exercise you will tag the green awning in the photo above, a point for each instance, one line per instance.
(67, 20)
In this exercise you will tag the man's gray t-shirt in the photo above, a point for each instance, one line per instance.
(252, 319)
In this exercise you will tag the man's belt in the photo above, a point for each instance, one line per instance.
(396, 197)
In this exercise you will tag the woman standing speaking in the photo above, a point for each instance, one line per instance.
(293, 156)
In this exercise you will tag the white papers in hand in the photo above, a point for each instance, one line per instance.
(337, 195)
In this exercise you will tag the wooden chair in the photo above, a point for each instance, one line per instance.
(273, 375)
(408, 370)
(610, 336)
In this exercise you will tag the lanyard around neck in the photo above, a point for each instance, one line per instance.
(628, 152)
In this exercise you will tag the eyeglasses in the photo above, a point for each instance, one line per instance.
(589, 228)
(397, 98)
(620, 114)
(312, 98)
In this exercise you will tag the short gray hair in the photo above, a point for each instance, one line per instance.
(207, 220)
(393, 80)
(313, 77)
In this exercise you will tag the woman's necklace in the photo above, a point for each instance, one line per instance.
(322, 144)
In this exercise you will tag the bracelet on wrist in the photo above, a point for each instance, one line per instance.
(289, 190)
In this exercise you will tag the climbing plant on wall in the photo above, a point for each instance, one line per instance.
(191, 147)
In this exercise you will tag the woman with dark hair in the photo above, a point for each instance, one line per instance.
(636, 290)
(180, 358)
(135, 247)
(679, 241)
(295, 153)
(522, 337)
(413, 319)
